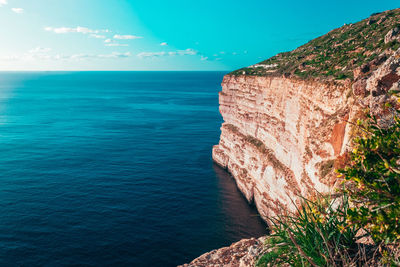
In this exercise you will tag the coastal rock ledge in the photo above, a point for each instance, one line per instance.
(241, 254)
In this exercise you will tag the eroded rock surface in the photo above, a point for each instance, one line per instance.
(241, 254)
(281, 136)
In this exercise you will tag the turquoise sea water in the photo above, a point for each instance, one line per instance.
(114, 169)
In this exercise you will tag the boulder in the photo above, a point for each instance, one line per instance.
(392, 35)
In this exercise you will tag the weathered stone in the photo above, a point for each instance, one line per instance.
(381, 20)
(392, 35)
(379, 60)
(385, 77)
(357, 72)
(359, 87)
(360, 71)
(244, 253)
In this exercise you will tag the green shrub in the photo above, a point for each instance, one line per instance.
(317, 236)
(373, 176)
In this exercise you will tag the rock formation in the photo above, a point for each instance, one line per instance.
(280, 137)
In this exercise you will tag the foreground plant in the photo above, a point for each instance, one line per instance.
(318, 235)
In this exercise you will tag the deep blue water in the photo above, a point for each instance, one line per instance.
(114, 169)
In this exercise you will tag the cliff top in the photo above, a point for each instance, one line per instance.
(348, 52)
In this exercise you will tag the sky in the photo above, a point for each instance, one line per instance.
(164, 35)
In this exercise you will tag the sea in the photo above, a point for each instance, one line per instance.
(114, 169)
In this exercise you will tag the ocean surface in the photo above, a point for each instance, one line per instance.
(114, 169)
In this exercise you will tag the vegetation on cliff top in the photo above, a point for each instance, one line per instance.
(339, 53)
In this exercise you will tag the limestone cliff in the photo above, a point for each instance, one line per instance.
(284, 133)
(281, 136)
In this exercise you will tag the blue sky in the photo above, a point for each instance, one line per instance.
(164, 35)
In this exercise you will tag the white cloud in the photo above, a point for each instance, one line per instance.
(40, 53)
(110, 42)
(79, 29)
(203, 58)
(98, 36)
(3, 2)
(37, 53)
(17, 10)
(164, 44)
(187, 52)
(39, 50)
(151, 54)
(116, 44)
(116, 55)
(113, 55)
(126, 37)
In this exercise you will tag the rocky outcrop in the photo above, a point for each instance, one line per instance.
(392, 35)
(241, 254)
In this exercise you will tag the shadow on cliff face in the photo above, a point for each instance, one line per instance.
(241, 218)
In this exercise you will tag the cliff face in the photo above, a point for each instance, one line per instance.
(281, 136)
